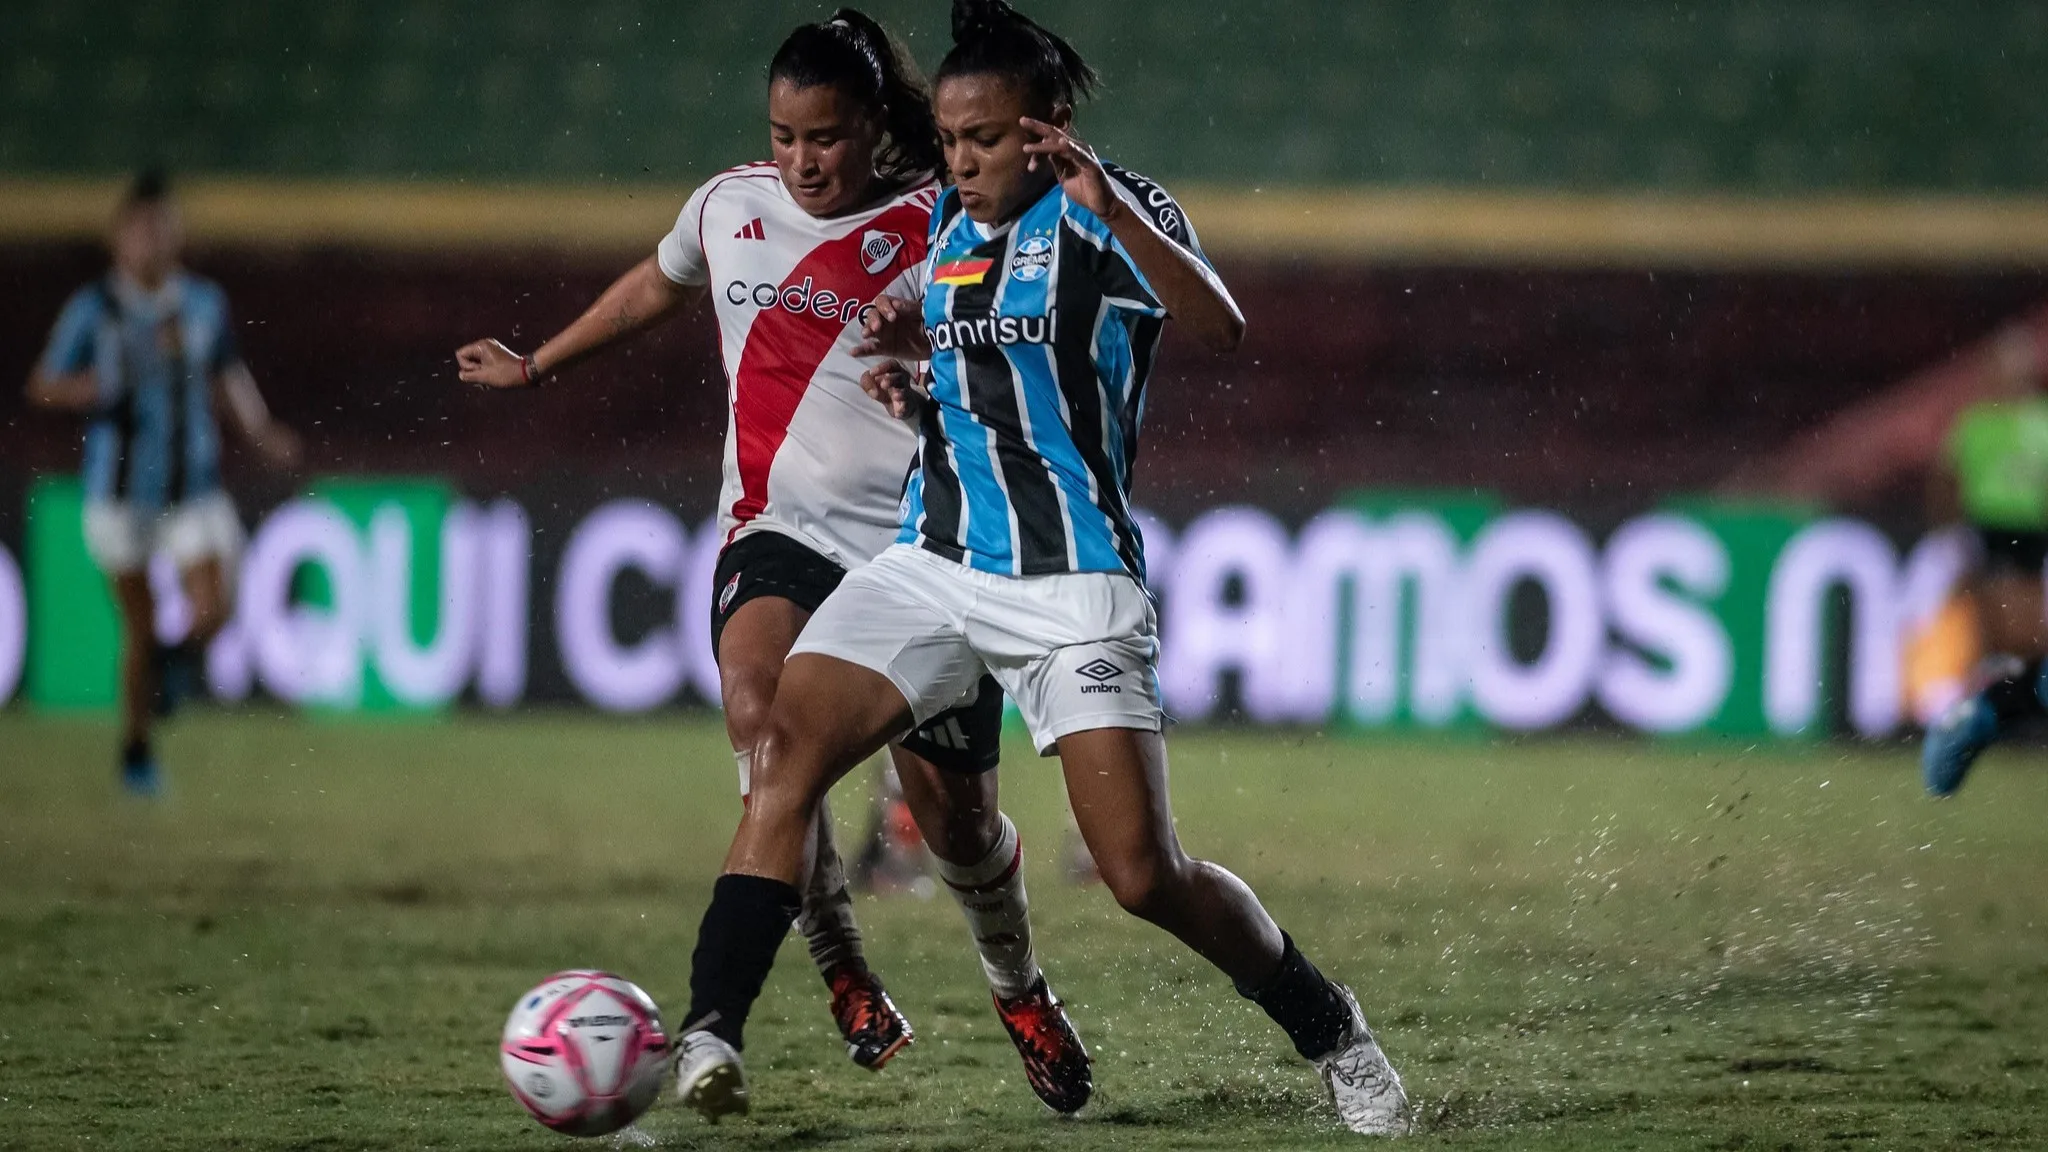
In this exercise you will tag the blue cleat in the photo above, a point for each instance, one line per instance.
(139, 774)
(1955, 742)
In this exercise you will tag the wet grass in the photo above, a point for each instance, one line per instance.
(311, 943)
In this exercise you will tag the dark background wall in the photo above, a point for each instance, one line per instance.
(1585, 388)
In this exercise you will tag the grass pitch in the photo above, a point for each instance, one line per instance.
(312, 941)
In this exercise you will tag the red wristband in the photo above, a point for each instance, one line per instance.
(528, 369)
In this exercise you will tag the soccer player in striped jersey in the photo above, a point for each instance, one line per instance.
(792, 254)
(147, 354)
(1048, 278)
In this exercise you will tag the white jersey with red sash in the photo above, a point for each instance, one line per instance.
(807, 453)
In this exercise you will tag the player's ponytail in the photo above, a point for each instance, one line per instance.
(853, 53)
(992, 38)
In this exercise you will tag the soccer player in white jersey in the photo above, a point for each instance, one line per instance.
(147, 355)
(1048, 277)
(792, 254)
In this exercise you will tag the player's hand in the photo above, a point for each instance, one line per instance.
(491, 365)
(1075, 165)
(896, 387)
(894, 327)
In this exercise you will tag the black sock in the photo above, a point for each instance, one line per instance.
(135, 751)
(1303, 1002)
(748, 917)
(2016, 697)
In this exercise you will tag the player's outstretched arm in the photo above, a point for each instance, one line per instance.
(275, 441)
(1192, 293)
(636, 300)
(63, 391)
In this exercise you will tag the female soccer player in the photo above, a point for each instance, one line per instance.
(147, 355)
(1048, 280)
(793, 253)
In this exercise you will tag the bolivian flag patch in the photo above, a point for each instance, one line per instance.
(966, 271)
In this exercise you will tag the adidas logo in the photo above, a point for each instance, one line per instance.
(753, 231)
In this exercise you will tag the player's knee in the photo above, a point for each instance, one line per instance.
(1144, 883)
(789, 775)
(748, 701)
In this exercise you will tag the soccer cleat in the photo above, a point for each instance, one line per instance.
(875, 1031)
(709, 1077)
(1954, 743)
(1054, 1061)
(1362, 1083)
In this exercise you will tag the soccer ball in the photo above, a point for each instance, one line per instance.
(584, 1052)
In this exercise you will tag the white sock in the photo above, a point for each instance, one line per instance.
(991, 896)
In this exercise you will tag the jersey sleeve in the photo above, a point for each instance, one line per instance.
(681, 252)
(71, 338)
(1123, 284)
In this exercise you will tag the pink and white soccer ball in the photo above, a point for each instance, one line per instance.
(585, 1052)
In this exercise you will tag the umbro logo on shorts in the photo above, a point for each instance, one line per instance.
(1101, 672)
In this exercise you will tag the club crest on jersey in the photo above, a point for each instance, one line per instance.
(878, 250)
(1033, 260)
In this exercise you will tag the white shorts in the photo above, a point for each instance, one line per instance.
(1076, 651)
(121, 538)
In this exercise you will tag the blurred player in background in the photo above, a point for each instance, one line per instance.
(1049, 282)
(146, 354)
(1993, 475)
(792, 253)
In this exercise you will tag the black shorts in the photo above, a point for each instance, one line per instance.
(2016, 552)
(964, 739)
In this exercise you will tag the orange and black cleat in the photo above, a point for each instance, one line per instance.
(875, 1031)
(1054, 1060)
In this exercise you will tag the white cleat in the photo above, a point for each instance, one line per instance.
(1362, 1083)
(709, 1077)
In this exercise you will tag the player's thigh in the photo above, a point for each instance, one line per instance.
(756, 640)
(1117, 787)
(947, 768)
(205, 584)
(136, 603)
(829, 715)
(768, 584)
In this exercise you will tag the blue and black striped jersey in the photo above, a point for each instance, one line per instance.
(1043, 335)
(153, 440)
